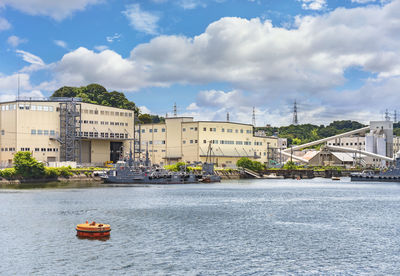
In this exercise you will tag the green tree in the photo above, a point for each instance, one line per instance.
(27, 166)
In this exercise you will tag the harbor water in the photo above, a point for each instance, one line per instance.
(241, 227)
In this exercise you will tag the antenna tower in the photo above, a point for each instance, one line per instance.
(295, 120)
(254, 116)
(395, 117)
(227, 117)
(175, 110)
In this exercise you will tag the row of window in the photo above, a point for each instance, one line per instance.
(151, 130)
(104, 135)
(111, 113)
(212, 129)
(229, 130)
(29, 149)
(347, 144)
(228, 142)
(43, 132)
(27, 107)
(104, 123)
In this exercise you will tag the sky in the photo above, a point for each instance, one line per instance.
(339, 60)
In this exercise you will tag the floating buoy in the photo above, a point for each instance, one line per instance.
(93, 230)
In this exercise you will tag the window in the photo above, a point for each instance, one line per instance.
(195, 129)
(111, 135)
(195, 141)
(229, 130)
(163, 142)
(223, 130)
(183, 129)
(215, 141)
(204, 129)
(96, 112)
(236, 130)
(102, 123)
(45, 108)
(143, 130)
(150, 142)
(150, 130)
(184, 141)
(49, 149)
(105, 135)
(90, 111)
(43, 149)
(45, 132)
(155, 130)
(27, 107)
(204, 141)
(117, 123)
(116, 113)
(248, 131)
(102, 112)
(191, 141)
(21, 106)
(40, 132)
(51, 109)
(241, 131)
(33, 131)
(37, 149)
(163, 130)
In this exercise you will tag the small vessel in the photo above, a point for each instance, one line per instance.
(335, 178)
(390, 175)
(93, 230)
(273, 176)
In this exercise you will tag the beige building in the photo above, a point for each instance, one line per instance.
(182, 139)
(396, 145)
(62, 129)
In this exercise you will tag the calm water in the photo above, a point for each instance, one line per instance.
(234, 228)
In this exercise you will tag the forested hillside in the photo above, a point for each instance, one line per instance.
(97, 94)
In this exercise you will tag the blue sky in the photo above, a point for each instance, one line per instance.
(338, 59)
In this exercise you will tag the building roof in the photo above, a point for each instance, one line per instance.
(310, 154)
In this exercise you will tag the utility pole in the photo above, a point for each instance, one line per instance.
(175, 112)
(254, 116)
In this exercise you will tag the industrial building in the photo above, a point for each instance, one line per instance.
(183, 139)
(64, 129)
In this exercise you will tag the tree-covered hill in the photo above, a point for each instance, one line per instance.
(97, 94)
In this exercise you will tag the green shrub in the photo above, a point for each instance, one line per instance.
(7, 173)
(52, 172)
(65, 171)
(245, 162)
(290, 165)
(27, 166)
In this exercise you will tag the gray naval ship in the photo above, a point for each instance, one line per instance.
(138, 172)
(391, 175)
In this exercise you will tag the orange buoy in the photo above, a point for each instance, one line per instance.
(93, 230)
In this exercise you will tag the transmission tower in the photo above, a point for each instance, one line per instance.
(387, 118)
(227, 117)
(254, 116)
(395, 117)
(175, 113)
(295, 120)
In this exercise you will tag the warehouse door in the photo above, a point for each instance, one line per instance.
(86, 148)
(116, 151)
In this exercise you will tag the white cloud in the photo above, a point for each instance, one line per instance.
(313, 4)
(265, 65)
(61, 43)
(30, 58)
(100, 48)
(144, 110)
(362, 1)
(191, 4)
(9, 84)
(141, 20)
(57, 10)
(111, 39)
(4, 24)
(192, 106)
(15, 40)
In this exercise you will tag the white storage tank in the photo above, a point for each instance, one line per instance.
(370, 144)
